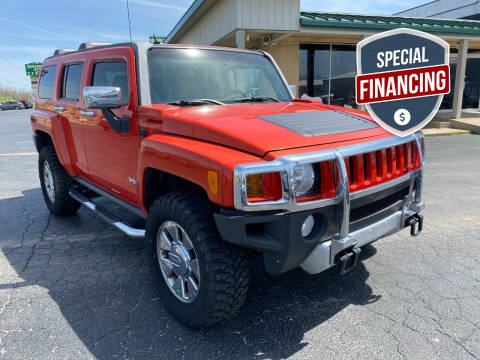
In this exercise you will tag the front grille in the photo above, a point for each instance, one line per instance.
(369, 169)
(374, 207)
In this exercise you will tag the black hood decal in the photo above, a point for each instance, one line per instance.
(318, 123)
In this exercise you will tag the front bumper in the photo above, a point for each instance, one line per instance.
(278, 234)
(320, 258)
(348, 221)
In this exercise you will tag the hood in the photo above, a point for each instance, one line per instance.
(259, 128)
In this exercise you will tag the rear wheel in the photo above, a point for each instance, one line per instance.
(56, 184)
(202, 279)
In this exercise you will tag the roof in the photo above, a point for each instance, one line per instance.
(136, 44)
(379, 23)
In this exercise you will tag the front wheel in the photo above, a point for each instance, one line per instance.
(56, 184)
(202, 279)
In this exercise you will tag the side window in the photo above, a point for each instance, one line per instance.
(112, 73)
(72, 76)
(47, 79)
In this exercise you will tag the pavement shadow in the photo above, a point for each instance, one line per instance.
(101, 283)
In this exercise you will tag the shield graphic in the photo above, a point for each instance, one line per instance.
(404, 116)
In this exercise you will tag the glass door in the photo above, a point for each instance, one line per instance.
(471, 92)
(328, 71)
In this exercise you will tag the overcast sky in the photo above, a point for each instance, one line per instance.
(32, 30)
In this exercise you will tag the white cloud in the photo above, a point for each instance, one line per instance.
(156, 4)
(12, 74)
(37, 37)
(115, 37)
(45, 31)
(39, 51)
(13, 60)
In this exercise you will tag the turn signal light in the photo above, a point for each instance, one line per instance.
(264, 187)
(212, 178)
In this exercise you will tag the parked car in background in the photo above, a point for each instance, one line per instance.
(12, 105)
(26, 104)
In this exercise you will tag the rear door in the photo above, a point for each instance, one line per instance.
(53, 97)
(113, 156)
(67, 107)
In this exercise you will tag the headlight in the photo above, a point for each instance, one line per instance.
(303, 179)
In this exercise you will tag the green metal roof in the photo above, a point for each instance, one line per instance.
(374, 22)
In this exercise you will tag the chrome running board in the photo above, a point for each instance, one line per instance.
(105, 215)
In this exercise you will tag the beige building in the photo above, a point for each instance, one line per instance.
(316, 51)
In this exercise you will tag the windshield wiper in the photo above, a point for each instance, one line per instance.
(211, 101)
(195, 102)
(256, 99)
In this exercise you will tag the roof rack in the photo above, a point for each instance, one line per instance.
(90, 45)
(61, 51)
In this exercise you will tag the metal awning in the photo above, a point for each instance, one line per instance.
(382, 23)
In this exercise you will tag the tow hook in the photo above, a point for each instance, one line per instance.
(412, 221)
(348, 259)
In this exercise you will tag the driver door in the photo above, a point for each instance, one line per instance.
(112, 156)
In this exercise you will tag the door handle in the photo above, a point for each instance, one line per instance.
(87, 113)
(58, 108)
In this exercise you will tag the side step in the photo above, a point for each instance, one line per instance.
(105, 215)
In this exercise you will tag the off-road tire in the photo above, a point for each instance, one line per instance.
(224, 268)
(63, 204)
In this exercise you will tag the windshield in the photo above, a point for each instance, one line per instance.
(212, 77)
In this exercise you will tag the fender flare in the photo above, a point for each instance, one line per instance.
(52, 125)
(192, 160)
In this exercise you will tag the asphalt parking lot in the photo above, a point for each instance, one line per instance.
(74, 288)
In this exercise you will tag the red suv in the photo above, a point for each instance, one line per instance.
(209, 145)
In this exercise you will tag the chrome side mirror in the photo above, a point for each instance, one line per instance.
(102, 97)
(293, 90)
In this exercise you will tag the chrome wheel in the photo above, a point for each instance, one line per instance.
(178, 261)
(48, 181)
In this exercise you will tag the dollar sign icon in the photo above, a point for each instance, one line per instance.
(402, 117)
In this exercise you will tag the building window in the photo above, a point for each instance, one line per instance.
(328, 72)
(342, 75)
(447, 102)
(471, 93)
(320, 69)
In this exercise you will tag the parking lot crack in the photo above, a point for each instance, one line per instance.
(458, 343)
(6, 303)
(42, 237)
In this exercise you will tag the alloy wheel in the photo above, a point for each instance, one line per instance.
(48, 181)
(178, 261)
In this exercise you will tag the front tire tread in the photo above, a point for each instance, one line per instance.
(227, 266)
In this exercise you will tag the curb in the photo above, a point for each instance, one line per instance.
(453, 133)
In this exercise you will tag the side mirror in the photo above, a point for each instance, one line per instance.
(106, 98)
(293, 90)
(102, 97)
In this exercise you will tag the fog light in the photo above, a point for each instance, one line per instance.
(308, 225)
